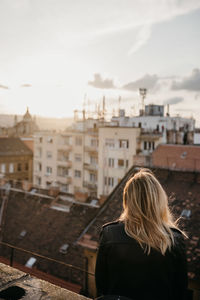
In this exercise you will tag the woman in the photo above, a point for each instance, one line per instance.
(142, 255)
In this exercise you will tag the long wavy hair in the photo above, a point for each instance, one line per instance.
(146, 213)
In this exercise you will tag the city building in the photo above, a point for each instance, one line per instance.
(16, 160)
(90, 157)
(23, 128)
(58, 236)
(177, 157)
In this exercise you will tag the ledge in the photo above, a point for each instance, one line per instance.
(31, 287)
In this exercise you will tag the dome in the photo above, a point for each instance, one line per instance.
(27, 116)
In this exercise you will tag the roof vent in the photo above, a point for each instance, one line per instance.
(186, 213)
(23, 233)
(94, 202)
(184, 154)
(63, 248)
(30, 262)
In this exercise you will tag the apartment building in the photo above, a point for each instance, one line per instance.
(68, 160)
(117, 147)
(90, 157)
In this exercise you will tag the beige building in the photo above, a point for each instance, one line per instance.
(117, 148)
(67, 160)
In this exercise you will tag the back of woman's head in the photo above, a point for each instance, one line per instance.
(146, 213)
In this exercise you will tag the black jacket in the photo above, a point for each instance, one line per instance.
(122, 267)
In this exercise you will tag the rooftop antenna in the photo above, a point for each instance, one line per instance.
(119, 102)
(104, 107)
(143, 93)
(168, 109)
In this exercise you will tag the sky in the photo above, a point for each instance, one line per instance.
(60, 55)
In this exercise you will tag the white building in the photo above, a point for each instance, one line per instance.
(90, 158)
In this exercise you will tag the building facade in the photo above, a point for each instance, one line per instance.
(16, 160)
(90, 157)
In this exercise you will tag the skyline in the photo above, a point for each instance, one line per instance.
(56, 53)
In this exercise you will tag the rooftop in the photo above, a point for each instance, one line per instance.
(183, 191)
(13, 147)
(15, 284)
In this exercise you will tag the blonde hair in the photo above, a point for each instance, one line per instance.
(146, 214)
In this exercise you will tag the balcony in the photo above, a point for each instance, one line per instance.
(90, 185)
(64, 178)
(91, 167)
(90, 149)
(150, 136)
(65, 163)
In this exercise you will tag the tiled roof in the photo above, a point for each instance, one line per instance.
(46, 230)
(13, 146)
(177, 157)
(183, 189)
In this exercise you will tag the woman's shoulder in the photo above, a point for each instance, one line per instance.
(110, 224)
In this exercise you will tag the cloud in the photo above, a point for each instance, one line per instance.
(147, 81)
(26, 85)
(101, 83)
(142, 38)
(4, 87)
(190, 83)
(173, 100)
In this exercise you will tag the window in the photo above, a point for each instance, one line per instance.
(19, 167)
(77, 173)
(38, 180)
(78, 141)
(3, 168)
(109, 181)
(145, 145)
(39, 167)
(93, 160)
(111, 162)
(64, 188)
(62, 171)
(62, 155)
(11, 168)
(94, 142)
(49, 170)
(110, 143)
(153, 145)
(49, 140)
(40, 139)
(120, 163)
(49, 154)
(123, 144)
(105, 180)
(78, 157)
(26, 167)
(127, 163)
(93, 177)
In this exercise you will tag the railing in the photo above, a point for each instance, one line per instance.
(90, 185)
(70, 267)
(93, 149)
(91, 167)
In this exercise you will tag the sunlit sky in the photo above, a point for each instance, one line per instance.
(56, 53)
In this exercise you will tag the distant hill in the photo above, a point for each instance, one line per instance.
(42, 122)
